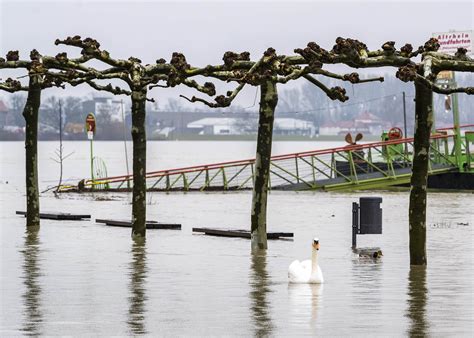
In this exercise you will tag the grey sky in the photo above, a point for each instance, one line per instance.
(203, 31)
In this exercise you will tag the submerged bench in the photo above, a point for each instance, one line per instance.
(61, 216)
(240, 233)
(149, 224)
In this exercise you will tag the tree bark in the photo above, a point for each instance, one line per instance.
(139, 163)
(30, 113)
(419, 177)
(268, 102)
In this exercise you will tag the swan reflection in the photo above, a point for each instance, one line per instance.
(137, 298)
(417, 294)
(259, 289)
(31, 273)
(306, 302)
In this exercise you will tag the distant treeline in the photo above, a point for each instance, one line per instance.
(307, 102)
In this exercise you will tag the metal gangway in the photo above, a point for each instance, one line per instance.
(364, 166)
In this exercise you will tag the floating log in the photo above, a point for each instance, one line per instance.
(240, 233)
(149, 224)
(61, 216)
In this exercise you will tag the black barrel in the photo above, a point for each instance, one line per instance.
(370, 215)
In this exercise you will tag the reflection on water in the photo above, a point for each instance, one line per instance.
(259, 280)
(31, 273)
(366, 281)
(137, 298)
(417, 295)
(306, 300)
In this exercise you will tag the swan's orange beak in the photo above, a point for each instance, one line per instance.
(316, 246)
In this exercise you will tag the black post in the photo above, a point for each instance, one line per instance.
(355, 223)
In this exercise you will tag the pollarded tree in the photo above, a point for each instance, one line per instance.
(43, 72)
(266, 73)
(355, 54)
(137, 77)
(424, 76)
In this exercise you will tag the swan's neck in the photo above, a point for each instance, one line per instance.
(314, 261)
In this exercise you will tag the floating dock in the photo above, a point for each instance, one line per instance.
(149, 224)
(240, 233)
(61, 216)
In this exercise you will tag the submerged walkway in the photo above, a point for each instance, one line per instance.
(365, 166)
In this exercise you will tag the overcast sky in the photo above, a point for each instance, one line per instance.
(203, 31)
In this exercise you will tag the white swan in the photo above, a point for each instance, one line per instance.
(307, 271)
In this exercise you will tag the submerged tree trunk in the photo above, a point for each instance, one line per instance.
(419, 177)
(30, 113)
(139, 164)
(268, 102)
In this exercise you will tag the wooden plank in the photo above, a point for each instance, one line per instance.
(59, 216)
(149, 224)
(240, 233)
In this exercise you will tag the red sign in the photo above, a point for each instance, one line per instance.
(90, 123)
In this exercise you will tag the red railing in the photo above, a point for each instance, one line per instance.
(229, 164)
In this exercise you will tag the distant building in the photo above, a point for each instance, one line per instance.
(239, 126)
(365, 123)
(291, 126)
(371, 123)
(105, 107)
(215, 126)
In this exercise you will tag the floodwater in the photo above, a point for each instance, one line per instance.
(75, 278)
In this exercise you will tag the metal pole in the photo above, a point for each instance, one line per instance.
(92, 164)
(405, 125)
(355, 223)
(125, 143)
(60, 143)
(404, 116)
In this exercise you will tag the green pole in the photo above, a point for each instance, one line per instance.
(457, 131)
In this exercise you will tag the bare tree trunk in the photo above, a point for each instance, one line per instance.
(30, 113)
(268, 102)
(139, 164)
(419, 177)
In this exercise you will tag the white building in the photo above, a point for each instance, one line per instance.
(237, 126)
(290, 126)
(215, 126)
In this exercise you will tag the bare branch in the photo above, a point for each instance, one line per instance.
(450, 64)
(335, 93)
(352, 77)
(197, 99)
(440, 90)
(90, 48)
(221, 100)
(208, 87)
(295, 74)
(12, 86)
(158, 86)
(109, 88)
